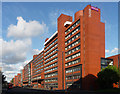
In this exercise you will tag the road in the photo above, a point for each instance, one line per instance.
(34, 91)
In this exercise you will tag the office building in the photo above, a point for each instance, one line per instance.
(26, 74)
(37, 73)
(72, 55)
(17, 80)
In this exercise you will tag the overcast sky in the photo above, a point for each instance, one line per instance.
(25, 26)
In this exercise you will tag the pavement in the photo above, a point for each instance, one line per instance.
(19, 90)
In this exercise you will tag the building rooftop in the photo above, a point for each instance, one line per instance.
(50, 37)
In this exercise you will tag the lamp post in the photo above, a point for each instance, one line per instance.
(62, 69)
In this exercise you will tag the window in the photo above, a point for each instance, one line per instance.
(54, 64)
(55, 68)
(37, 61)
(51, 44)
(73, 77)
(51, 49)
(51, 61)
(54, 85)
(50, 57)
(51, 75)
(73, 69)
(70, 28)
(72, 56)
(73, 44)
(51, 80)
(73, 62)
(51, 53)
(74, 31)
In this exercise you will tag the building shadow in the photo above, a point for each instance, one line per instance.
(89, 82)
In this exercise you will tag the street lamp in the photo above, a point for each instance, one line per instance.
(62, 69)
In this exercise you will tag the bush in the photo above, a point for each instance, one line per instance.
(108, 76)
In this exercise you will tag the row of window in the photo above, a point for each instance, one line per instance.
(51, 61)
(36, 73)
(27, 71)
(73, 77)
(51, 48)
(51, 52)
(51, 44)
(39, 70)
(51, 75)
(36, 78)
(37, 59)
(38, 67)
(51, 80)
(26, 67)
(72, 56)
(51, 65)
(40, 56)
(72, 62)
(26, 76)
(73, 44)
(54, 85)
(39, 64)
(41, 53)
(73, 38)
(50, 57)
(73, 69)
(74, 31)
(73, 50)
(76, 23)
(55, 68)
